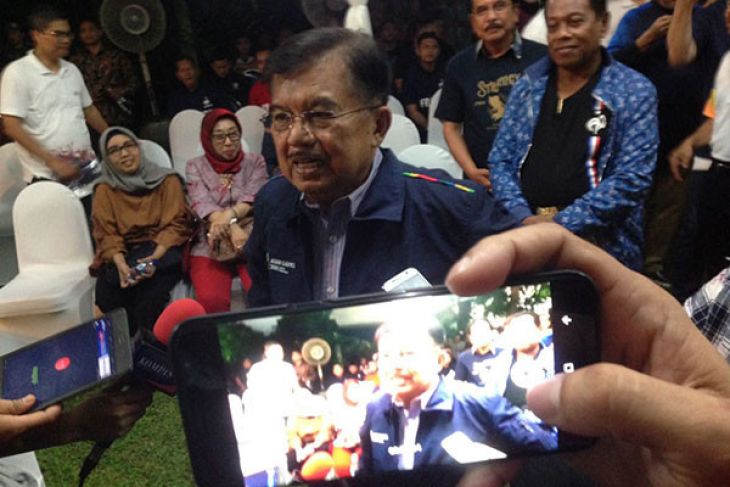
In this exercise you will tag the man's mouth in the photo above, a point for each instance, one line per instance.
(400, 380)
(306, 165)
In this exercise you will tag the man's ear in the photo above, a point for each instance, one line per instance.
(383, 119)
(605, 22)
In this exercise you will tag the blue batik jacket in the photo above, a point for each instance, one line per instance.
(610, 214)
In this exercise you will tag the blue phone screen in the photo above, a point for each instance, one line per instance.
(61, 364)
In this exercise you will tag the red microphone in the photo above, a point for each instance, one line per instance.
(175, 313)
(151, 361)
(318, 466)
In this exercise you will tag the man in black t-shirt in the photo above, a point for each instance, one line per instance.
(478, 82)
(422, 80)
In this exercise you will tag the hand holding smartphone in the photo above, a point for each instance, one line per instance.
(658, 401)
(68, 363)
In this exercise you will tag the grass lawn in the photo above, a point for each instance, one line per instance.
(153, 453)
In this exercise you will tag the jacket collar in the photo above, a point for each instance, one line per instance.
(384, 200)
(516, 47)
(442, 398)
(43, 69)
(539, 71)
(386, 197)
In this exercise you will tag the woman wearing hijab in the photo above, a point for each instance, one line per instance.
(222, 185)
(140, 223)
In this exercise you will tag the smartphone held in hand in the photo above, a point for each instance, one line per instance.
(380, 384)
(68, 363)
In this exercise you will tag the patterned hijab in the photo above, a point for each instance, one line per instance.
(148, 176)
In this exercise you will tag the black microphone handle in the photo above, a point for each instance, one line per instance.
(92, 459)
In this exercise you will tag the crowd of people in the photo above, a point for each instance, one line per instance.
(596, 140)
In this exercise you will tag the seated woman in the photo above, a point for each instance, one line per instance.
(139, 216)
(222, 185)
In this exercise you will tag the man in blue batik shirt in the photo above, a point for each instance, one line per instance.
(578, 141)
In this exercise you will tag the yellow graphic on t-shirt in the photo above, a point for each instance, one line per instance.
(496, 107)
(485, 88)
(493, 94)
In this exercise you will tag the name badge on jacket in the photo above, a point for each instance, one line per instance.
(281, 266)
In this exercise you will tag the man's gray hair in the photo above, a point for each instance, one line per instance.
(368, 66)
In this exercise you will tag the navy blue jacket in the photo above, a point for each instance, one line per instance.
(401, 222)
(454, 406)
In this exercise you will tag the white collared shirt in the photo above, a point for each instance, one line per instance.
(410, 418)
(721, 124)
(51, 105)
(330, 234)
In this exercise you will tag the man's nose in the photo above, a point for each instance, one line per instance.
(299, 133)
(562, 30)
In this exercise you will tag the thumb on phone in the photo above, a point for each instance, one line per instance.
(13, 420)
(17, 406)
(608, 400)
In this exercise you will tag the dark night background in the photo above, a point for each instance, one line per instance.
(193, 26)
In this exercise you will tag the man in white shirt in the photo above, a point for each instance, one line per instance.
(45, 105)
(268, 401)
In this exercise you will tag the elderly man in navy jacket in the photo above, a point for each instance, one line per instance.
(421, 419)
(346, 216)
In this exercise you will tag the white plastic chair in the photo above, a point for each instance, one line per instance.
(401, 134)
(431, 157)
(395, 105)
(155, 153)
(253, 129)
(536, 29)
(185, 138)
(53, 288)
(435, 127)
(11, 184)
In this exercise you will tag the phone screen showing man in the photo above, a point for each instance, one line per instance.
(61, 365)
(397, 385)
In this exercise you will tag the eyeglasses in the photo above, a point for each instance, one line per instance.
(400, 356)
(220, 138)
(60, 34)
(282, 121)
(115, 150)
(498, 7)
